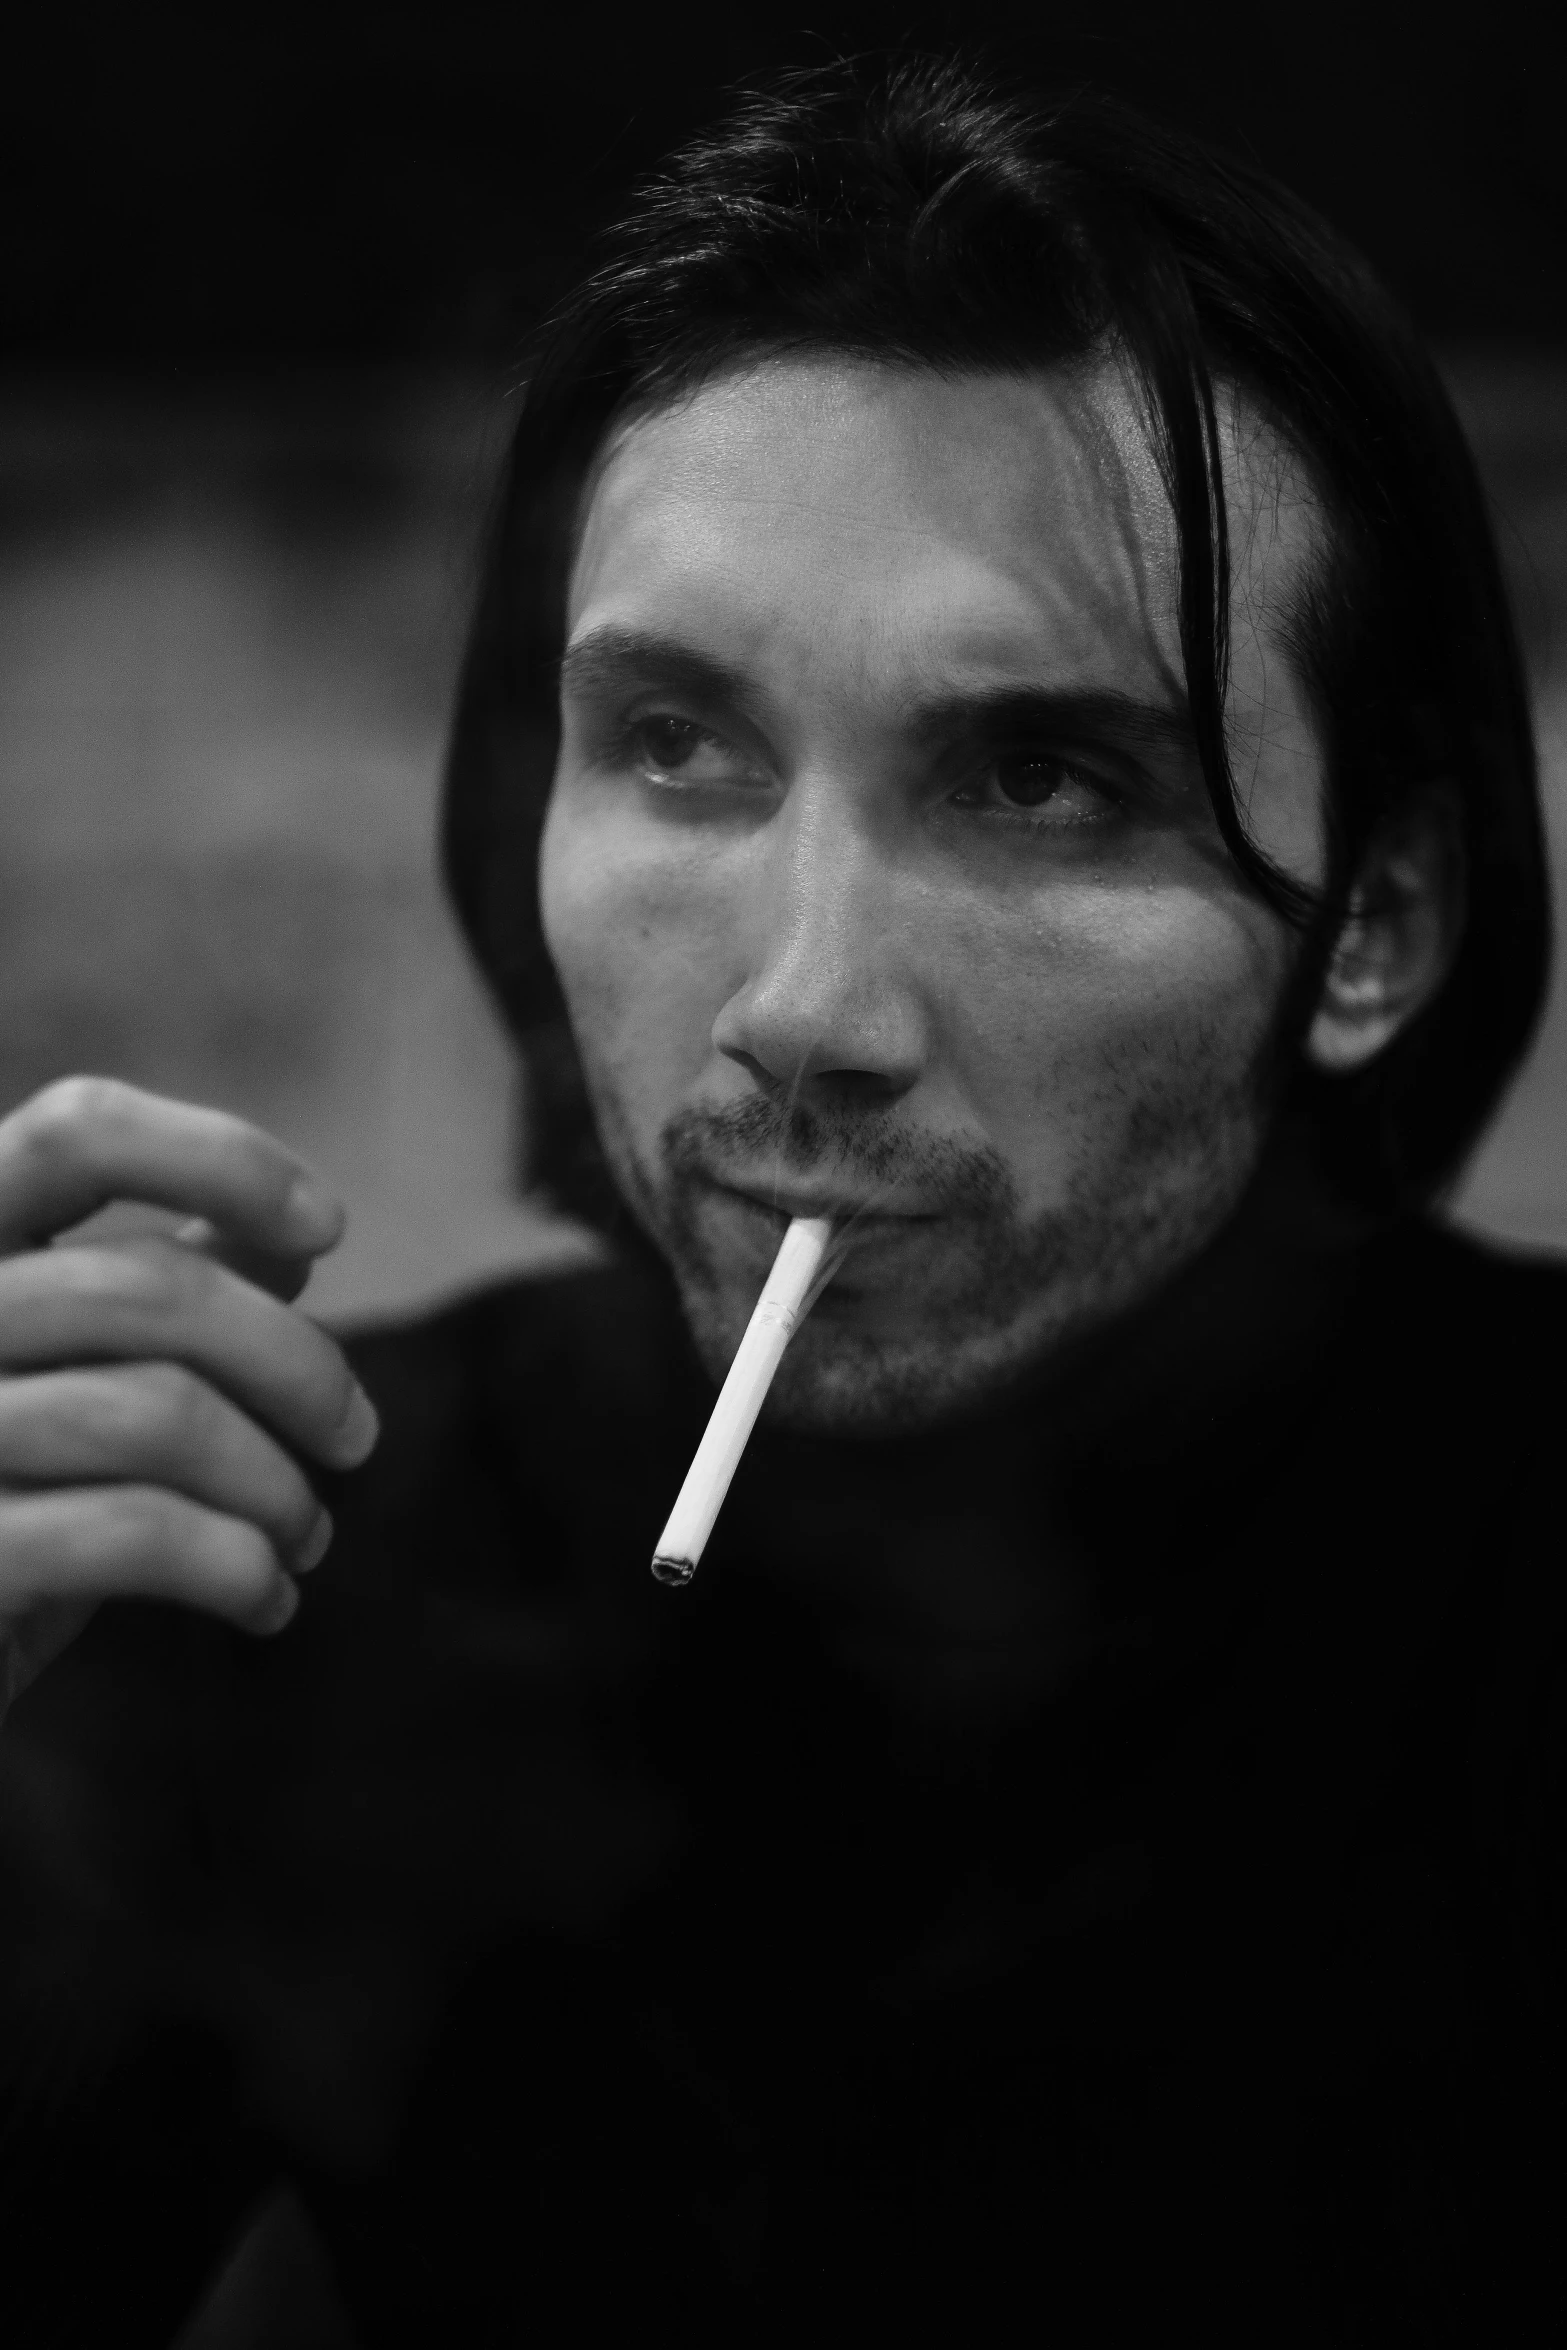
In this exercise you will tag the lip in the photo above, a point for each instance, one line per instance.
(786, 1200)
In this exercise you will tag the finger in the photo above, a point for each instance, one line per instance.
(85, 1141)
(281, 1277)
(158, 1424)
(157, 1302)
(138, 1541)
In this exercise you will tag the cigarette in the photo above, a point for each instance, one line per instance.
(791, 1289)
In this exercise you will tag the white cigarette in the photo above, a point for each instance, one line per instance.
(779, 1311)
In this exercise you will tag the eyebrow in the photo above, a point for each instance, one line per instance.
(611, 658)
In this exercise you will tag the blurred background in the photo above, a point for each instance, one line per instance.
(267, 272)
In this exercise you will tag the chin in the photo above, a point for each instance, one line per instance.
(852, 1383)
(847, 1377)
(867, 1390)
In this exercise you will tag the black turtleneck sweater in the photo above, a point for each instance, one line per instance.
(1093, 1874)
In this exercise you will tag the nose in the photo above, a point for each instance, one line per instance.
(830, 1006)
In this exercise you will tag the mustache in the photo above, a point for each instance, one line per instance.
(869, 1149)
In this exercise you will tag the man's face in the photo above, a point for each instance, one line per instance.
(879, 871)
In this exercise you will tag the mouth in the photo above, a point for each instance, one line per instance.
(882, 1255)
(781, 1202)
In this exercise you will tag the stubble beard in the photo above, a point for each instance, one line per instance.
(1007, 1296)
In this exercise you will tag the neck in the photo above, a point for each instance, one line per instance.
(984, 1565)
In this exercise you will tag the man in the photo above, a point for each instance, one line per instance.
(992, 716)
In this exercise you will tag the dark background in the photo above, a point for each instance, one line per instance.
(266, 272)
(274, 187)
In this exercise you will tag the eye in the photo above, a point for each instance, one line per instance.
(1042, 784)
(665, 747)
(667, 742)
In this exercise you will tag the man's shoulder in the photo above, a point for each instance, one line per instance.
(1472, 1328)
(1460, 1288)
(1515, 1268)
(1456, 1375)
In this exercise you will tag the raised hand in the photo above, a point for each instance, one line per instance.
(160, 1399)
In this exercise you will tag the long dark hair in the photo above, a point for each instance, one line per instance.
(925, 218)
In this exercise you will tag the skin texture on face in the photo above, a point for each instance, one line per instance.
(880, 875)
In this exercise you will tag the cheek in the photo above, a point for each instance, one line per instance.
(583, 906)
(1118, 1021)
(635, 940)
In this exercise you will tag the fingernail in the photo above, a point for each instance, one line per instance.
(314, 1217)
(315, 1546)
(356, 1432)
(282, 1609)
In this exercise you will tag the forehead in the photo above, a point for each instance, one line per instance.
(880, 515)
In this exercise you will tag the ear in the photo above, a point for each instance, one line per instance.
(1406, 917)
